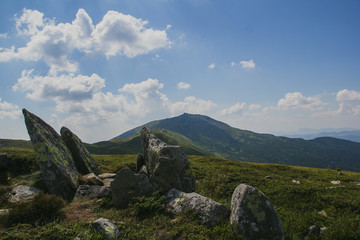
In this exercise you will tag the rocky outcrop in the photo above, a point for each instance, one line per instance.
(106, 228)
(83, 160)
(210, 213)
(167, 166)
(87, 191)
(57, 166)
(127, 186)
(23, 193)
(253, 216)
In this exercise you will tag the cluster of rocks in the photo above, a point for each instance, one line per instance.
(64, 161)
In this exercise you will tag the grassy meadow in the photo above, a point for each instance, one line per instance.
(298, 205)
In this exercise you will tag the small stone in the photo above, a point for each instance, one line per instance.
(323, 213)
(335, 182)
(107, 175)
(268, 177)
(106, 228)
(23, 193)
(323, 229)
(314, 230)
(93, 179)
(86, 191)
(295, 181)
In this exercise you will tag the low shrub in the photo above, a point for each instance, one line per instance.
(44, 208)
(147, 207)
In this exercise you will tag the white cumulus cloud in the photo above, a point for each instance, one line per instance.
(191, 105)
(115, 34)
(296, 100)
(211, 66)
(244, 64)
(238, 107)
(347, 95)
(183, 85)
(9, 110)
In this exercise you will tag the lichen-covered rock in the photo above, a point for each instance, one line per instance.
(23, 193)
(55, 160)
(253, 216)
(83, 160)
(106, 228)
(86, 191)
(92, 179)
(210, 213)
(167, 165)
(128, 185)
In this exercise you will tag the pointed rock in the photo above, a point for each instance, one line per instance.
(55, 161)
(167, 165)
(253, 216)
(84, 161)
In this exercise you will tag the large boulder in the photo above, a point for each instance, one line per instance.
(253, 216)
(167, 165)
(83, 160)
(87, 191)
(22, 193)
(210, 213)
(106, 228)
(127, 186)
(57, 166)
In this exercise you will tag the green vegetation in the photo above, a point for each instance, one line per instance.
(298, 205)
(201, 135)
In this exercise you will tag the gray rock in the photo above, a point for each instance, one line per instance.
(23, 193)
(128, 185)
(86, 191)
(83, 160)
(210, 213)
(323, 230)
(140, 162)
(55, 160)
(167, 165)
(143, 170)
(253, 216)
(107, 175)
(5, 211)
(93, 179)
(106, 228)
(314, 230)
(107, 181)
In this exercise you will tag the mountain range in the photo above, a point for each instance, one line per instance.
(202, 135)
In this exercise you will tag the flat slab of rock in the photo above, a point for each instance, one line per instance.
(57, 166)
(107, 175)
(83, 160)
(210, 213)
(23, 193)
(106, 228)
(167, 166)
(128, 185)
(93, 179)
(253, 216)
(87, 191)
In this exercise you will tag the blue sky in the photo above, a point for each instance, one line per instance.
(104, 67)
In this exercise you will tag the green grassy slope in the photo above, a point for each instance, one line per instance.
(298, 206)
(221, 140)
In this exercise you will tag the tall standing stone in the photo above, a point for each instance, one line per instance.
(167, 165)
(83, 160)
(55, 161)
(253, 216)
